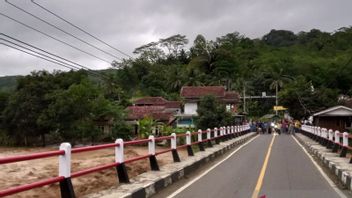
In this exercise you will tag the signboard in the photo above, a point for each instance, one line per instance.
(279, 108)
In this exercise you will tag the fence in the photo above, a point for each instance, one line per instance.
(334, 140)
(65, 151)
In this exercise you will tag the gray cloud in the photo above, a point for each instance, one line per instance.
(129, 24)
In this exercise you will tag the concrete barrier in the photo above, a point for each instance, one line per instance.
(339, 166)
(149, 183)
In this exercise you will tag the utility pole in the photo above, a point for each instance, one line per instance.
(263, 96)
(276, 98)
(244, 99)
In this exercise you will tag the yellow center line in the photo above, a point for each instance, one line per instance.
(262, 172)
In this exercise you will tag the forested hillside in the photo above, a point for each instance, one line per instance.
(8, 83)
(311, 70)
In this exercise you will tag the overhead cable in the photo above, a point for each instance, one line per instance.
(60, 29)
(81, 29)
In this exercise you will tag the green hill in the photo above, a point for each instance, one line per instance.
(8, 83)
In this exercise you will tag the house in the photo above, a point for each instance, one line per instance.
(158, 108)
(150, 101)
(170, 106)
(105, 124)
(336, 118)
(192, 94)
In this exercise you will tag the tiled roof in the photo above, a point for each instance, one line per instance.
(150, 101)
(139, 112)
(173, 104)
(198, 92)
(162, 116)
(231, 96)
(155, 112)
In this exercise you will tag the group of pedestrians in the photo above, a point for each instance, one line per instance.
(261, 127)
(281, 127)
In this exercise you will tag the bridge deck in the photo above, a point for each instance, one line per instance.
(289, 173)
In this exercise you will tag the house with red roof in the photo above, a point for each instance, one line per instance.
(158, 108)
(192, 94)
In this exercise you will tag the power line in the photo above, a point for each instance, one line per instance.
(32, 54)
(44, 57)
(61, 30)
(79, 28)
(52, 37)
(41, 54)
(47, 52)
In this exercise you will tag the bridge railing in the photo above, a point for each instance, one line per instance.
(65, 151)
(335, 140)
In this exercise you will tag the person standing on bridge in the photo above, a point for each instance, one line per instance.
(265, 127)
(278, 128)
(291, 128)
(297, 126)
(283, 126)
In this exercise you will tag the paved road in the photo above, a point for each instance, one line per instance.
(289, 173)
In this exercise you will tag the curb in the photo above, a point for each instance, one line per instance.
(151, 182)
(336, 165)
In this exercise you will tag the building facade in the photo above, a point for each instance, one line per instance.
(336, 118)
(191, 96)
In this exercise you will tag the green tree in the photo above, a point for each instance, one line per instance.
(212, 114)
(146, 126)
(20, 117)
(174, 44)
(74, 112)
(202, 55)
(280, 38)
(277, 78)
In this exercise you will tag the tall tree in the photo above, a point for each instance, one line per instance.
(277, 78)
(212, 114)
(174, 44)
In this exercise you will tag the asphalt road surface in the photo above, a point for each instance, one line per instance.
(269, 166)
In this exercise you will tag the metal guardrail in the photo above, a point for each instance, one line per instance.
(335, 140)
(65, 151)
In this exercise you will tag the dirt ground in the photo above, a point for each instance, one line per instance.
(15, 174)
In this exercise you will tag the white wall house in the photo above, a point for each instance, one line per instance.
(190, 108)
(192, 95)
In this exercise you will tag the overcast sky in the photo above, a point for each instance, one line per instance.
(132, 23)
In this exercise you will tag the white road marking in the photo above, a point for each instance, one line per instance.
(207, 171)
(331, 183)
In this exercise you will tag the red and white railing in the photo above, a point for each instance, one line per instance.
(335, 140)
(65, 151)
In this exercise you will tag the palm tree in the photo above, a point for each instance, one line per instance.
(193, 78)
(176, 79)
(277, 79)
(203, 58)
(146, 126)
(243, 86)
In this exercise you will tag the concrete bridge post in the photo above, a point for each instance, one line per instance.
(232, 131)
(236, 131)
(344, 144)
(216, 135)
(119, 158)
(66, 187)
(229, 134)
(330, 144)
(323, 136)
(221, 134)
(200, 140)
(337, 142)
(189, 143)
(209, 138)
(152, 158)
(175, 155)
